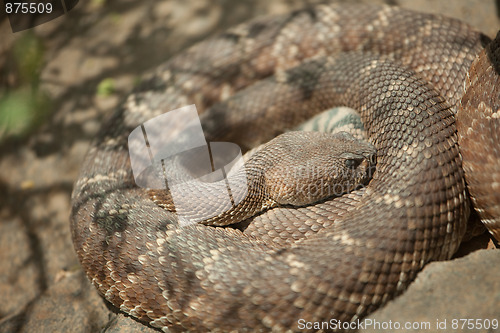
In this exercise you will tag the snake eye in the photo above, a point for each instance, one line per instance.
(353, 163)
(373, 159)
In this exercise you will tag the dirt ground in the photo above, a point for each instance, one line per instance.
(88, 61)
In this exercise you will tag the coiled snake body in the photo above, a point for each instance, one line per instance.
(340, 259)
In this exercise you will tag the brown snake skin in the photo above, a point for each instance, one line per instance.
(278, 173)
(478, 125)
(348, 255)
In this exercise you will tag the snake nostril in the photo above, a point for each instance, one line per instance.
(372, 158)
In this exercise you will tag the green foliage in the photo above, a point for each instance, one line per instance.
(22, 105)
(28, 54)
(106, 87)
(21, 111)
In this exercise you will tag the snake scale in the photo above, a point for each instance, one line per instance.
(342, 258)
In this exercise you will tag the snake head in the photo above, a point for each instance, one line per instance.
(313, 166)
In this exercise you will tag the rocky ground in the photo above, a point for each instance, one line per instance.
(85, 63)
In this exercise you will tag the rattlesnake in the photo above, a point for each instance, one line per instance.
(338, 259)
